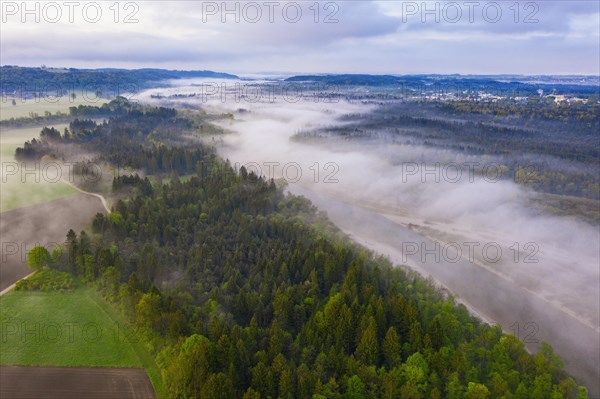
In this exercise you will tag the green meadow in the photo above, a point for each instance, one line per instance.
(20, 188)
(23, 108)
(62, 329)
(74, 328)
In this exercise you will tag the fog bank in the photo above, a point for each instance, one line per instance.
(472, 233)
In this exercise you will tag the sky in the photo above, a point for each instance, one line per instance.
(285, 37)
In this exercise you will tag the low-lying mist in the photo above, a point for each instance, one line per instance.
(474, 233)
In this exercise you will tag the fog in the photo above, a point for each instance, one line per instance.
(535, 274)
(37, 203)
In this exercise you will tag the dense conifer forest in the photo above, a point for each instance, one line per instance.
(244, 291)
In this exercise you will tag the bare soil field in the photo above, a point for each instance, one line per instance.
(43, 224)
(18, 382)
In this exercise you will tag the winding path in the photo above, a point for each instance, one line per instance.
(102, 199)
(104, 205)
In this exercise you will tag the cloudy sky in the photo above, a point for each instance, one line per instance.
(400, 37)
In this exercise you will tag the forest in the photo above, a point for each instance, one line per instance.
(551, 148)
(109, 81)
(131, 137)
(461, 85)
(244, 291)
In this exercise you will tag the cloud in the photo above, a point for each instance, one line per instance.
(347, 36)
(491, 16)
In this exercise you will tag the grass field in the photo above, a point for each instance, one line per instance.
(18, 188)
(23, 108)
(13, 138)
(62, 329)
(74, 328)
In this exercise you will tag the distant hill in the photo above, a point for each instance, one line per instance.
(106, 79)
(348, 80)
(502, 83)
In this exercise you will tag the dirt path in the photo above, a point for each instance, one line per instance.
(44, 224)
(23, 228)
(102, 199)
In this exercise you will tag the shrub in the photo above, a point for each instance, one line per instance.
(46, 280)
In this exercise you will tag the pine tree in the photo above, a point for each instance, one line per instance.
(367, 349)
(391, 348)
